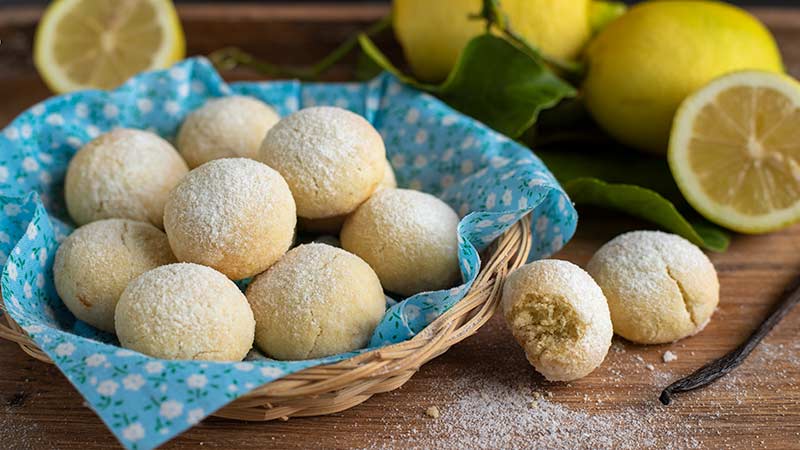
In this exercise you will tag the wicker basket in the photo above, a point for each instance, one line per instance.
(328, 389)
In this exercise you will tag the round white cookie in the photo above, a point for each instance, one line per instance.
(95, 263)
(125, 174)
(318, 300)
(235, 215)
(332, 225)
(333, 159)
(185, 311)
(226, 127)
(410, 238)
(559, 316)
(660, 287)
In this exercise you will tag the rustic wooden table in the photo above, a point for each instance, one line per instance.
(487, 393)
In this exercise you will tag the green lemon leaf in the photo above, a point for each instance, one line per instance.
(615, 167)
(638, 185)
(365, 68)
(493, 81)
(648, 205)
(372, 50)
(502, 86)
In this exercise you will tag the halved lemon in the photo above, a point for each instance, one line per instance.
(735, 151)
(85, 44)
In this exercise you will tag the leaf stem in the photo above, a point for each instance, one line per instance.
(573, 69)
(494, 16)
(229, 58)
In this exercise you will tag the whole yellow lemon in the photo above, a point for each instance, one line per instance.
(646, 62)
(433, 33)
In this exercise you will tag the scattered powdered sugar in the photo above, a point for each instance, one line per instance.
(516, 418)
(489, 400)
(646, 364)
(502, 411)
(23, 432)
(21, 412)
(668, 356)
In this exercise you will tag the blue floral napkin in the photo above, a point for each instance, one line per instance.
(490, 180)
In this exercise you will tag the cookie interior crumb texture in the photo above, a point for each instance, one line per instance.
(433, 412)
(559, 316)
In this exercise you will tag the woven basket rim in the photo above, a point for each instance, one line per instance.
(332, 388)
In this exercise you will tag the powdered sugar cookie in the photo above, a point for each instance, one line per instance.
(660, 287)
(333, 159)
(559, 316)
(235, 215)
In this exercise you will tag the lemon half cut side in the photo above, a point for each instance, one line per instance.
(735, 151)
(86, 44)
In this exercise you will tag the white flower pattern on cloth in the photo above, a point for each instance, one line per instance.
(11, 209)
(490, 180)
(31, 232)
(107, 388)
(34, 328)
(30, 164)
(244, 366)
(171, 409)
(11, 270)
(153, 367)
(194, 416)
(95, 360)
(271, 372)
(196, 381)
(65, 349)
(133, 432)
(133, 382)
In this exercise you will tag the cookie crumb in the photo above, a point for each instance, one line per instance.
(432, 412)
(668, 356)
(650, 367)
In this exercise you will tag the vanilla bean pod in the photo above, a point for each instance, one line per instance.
(722, 366)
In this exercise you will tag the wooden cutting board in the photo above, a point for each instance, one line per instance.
(487, 394)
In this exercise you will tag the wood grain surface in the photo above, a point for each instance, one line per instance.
(477, 385)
